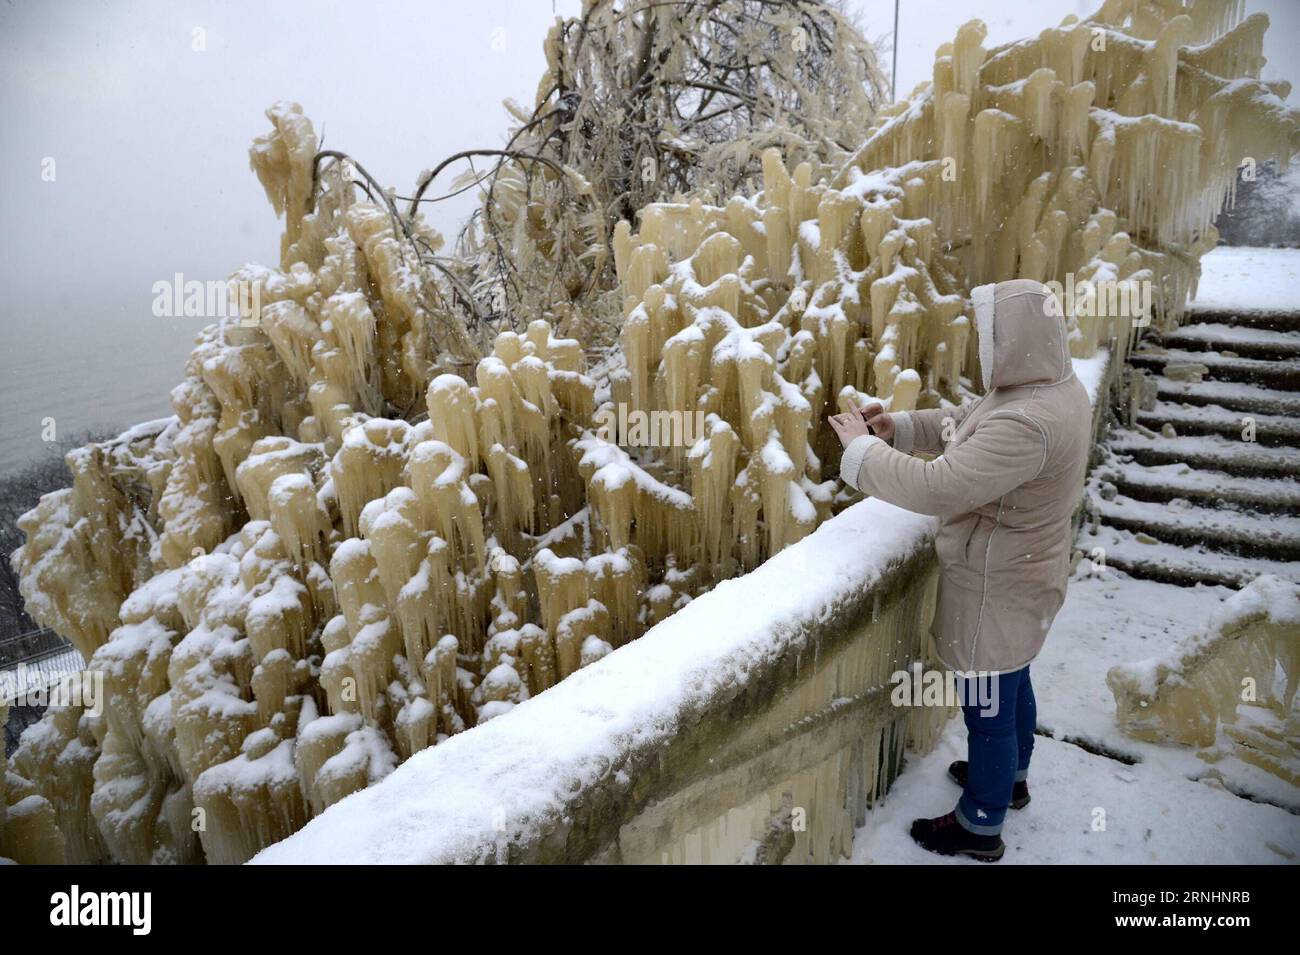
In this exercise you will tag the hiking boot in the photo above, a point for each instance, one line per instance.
(957, 772)
(946, 836)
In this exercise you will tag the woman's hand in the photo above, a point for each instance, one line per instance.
(873, 419)
(851, 424)
(879, 421)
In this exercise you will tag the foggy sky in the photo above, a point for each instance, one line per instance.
(149, 137)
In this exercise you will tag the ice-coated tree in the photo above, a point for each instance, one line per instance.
(644, 101)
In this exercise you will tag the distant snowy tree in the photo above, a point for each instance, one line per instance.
(1267, 210)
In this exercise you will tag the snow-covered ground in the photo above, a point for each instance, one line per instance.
(1159, 804)
(1245, 279)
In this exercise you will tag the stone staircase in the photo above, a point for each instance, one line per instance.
(1203, 484)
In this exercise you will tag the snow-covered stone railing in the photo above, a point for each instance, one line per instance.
(680, 746)
(754, 724)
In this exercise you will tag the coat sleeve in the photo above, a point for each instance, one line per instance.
(923, 430)
(1003, 452)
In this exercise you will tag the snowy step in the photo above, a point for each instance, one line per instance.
(1274, 374)
(1244, 318)
(1230, 394)
(1172, 564)
(1245, 341)
(1212, 452)
(1165, 482)
(1248, 535)
(1215, 419)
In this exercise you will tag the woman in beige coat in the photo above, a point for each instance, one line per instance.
(1006, 481)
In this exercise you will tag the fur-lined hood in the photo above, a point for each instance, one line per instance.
(1021, 335)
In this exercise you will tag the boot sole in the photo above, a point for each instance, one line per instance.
(1015, 803)
(981, 856)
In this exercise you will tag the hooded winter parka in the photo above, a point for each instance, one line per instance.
(1008, 477)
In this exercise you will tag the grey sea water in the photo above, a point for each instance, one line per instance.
(85, 375)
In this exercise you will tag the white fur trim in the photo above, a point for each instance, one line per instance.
(854, 454)
(981, 297)
(904, 432)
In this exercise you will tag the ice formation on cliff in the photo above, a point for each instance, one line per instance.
(362, 532)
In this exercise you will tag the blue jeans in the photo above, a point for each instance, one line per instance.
(1000, 717)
